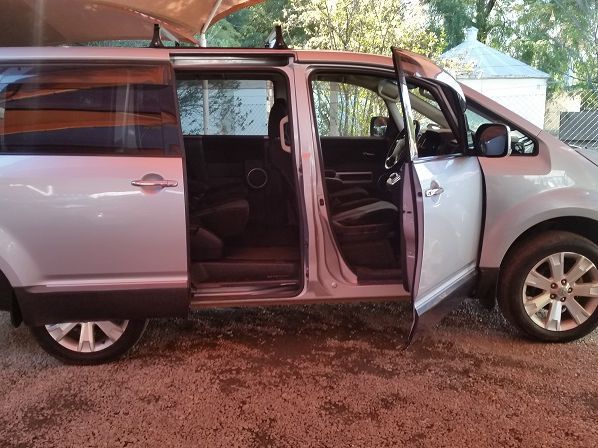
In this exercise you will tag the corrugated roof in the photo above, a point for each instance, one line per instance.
(484, 62)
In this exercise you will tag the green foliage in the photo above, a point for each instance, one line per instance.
(363, 26)
(559, 37)
(223, 34)
(453, 16)
(352, 25)
(344, 109)
(250, 27)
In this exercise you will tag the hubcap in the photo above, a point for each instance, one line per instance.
(561, 291)
(87, 337)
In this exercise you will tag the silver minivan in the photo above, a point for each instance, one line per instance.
(143, 183)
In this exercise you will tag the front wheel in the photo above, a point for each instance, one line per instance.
(549, 287)
(87, 343)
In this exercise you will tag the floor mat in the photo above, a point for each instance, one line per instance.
(268, 236)
(231, 271)
(279, 253)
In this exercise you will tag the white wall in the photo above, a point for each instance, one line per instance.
(524, 96)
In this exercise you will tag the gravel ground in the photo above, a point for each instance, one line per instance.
(322, 376)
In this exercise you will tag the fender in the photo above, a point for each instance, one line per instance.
(15, 262)
(512, 223)
(523, 191)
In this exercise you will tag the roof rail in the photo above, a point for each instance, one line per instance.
(276, 40)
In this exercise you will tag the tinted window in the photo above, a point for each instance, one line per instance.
(59, 109)
(235, 106)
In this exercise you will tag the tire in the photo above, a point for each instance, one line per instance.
(71, 343)
(548, 287)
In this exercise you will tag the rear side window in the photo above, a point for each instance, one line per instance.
(88, 109)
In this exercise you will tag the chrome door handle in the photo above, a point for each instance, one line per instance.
(368, 154)
(434, 192)
(155, 183)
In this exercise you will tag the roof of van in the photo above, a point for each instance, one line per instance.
(164, 54)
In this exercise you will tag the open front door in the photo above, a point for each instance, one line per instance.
(442, 204)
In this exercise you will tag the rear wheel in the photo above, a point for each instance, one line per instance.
(89, 342)
(549, 287)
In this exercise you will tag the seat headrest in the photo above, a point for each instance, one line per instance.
(278, 112)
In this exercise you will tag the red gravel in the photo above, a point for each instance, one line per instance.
(321, 376)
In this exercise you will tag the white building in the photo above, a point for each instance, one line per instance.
(510, 82)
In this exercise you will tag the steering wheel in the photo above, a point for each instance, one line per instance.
(396, 150)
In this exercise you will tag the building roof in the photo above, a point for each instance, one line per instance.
(484, 62)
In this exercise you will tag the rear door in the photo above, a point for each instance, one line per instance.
(91, 169)
(442, 207)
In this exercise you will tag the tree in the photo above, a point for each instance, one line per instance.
(453, 16)
(559, 37)
(250, 27)
(352, 25)
(363, 26)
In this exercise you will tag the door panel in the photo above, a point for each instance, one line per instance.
(441, 241)
(354, 160)
(441, 226)
(411, 226)
(452, 203)
(81, 223)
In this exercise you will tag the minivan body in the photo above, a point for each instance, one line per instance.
(143, 183)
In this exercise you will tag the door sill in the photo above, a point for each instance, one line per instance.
(224, 292)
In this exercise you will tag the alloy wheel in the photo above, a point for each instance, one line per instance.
(561, 291)
(87, 337)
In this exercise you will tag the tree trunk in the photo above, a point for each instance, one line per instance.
(483, 10)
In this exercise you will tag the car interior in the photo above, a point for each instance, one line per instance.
(360, 128)
(244, 221)
(243, 209)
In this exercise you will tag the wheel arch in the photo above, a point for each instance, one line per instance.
(582, 226)
(489, 278)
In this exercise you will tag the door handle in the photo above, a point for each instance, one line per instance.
(434, 192)
(368, 154)
(163, 183)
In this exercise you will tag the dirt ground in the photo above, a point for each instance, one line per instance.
(319, 376)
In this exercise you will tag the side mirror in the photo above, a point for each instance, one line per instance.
(492, 140)
(378, 126)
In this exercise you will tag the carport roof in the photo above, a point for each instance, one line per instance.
(58, 22)
(486, 62)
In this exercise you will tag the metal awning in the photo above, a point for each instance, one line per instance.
(59, 22)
